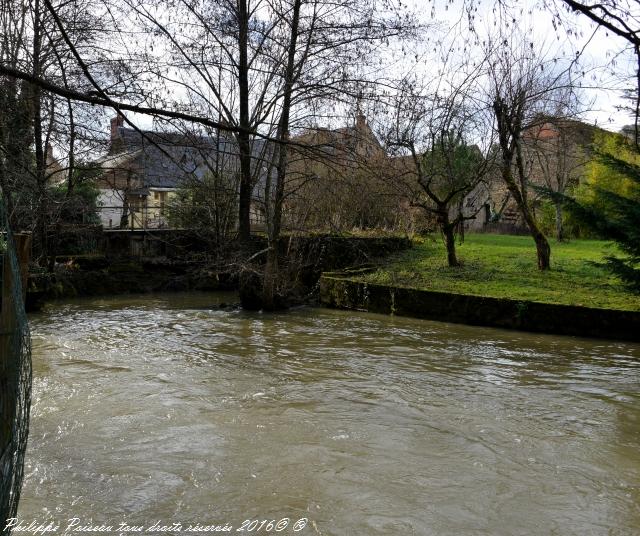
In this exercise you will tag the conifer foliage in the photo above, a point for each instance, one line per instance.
(616, 216)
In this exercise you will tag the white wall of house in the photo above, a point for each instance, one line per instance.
(156, 208)
(477, 202)
(110, 205)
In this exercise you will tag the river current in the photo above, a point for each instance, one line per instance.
(174, 409)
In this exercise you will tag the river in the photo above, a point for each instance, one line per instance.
(172, 408)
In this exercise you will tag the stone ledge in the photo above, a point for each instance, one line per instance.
(341, 291)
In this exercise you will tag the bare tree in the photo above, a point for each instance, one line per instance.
(320, 43)
(38, 117)
(523, 88)
(622, 19)
(445, 135)
(234, 60)
(15, 127)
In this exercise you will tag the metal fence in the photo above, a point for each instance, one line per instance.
(15, 370)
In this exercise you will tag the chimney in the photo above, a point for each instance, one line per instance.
(116, 122)
(361, 121)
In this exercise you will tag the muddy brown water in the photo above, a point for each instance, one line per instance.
(168, 408)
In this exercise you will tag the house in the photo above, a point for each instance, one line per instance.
(555, 150)
(335, 179)
(350, 144)
(143, 170)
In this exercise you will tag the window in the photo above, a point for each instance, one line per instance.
(136, 204)
(162, 197)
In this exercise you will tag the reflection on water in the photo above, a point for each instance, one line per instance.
(170, 407)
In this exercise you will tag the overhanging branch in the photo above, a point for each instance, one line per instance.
(97, 100)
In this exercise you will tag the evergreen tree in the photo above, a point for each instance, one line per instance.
(616, 216)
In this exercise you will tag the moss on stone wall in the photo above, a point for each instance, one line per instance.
(344, 292)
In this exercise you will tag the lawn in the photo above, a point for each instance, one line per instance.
(505, 267)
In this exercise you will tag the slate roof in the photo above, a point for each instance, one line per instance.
(166, 160)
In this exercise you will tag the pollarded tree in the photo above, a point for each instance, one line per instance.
(523, 88)
(558, 160)
(447, 172)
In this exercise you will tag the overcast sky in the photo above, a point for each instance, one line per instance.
(601, 52)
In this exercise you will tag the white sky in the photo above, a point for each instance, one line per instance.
(600, 51)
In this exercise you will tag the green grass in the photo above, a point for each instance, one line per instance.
(505, 267)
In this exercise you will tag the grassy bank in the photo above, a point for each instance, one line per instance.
(505, 267)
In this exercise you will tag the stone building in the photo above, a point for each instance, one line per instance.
(555, 151)
(338, 180)
(143, 170)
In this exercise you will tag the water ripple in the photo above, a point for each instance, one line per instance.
(156, 406)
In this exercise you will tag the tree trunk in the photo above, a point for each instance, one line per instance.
(542, 245)
(270, 301)
(270, 296)
(35, 94)
(448, 231)
(450, 243)
(244, 205)
(461, 223)
(72, 151)
(244, 143)
(543, 250)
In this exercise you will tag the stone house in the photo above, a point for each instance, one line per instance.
(555, 151)
(332, 177)
(335, 179)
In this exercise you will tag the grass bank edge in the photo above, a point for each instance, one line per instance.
(504, 266)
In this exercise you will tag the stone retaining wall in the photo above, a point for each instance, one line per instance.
(121, 272)
(345, 292)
